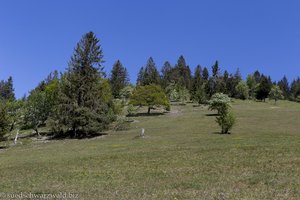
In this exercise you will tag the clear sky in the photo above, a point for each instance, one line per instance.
(38, 36)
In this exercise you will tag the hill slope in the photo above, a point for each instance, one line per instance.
(181, 157)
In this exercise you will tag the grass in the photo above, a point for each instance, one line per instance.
(181, 157)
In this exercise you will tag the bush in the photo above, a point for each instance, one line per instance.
(226, 122)
(219, 102)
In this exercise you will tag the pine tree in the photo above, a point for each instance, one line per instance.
(140, 77)
(257, 76)
(225, 81)
(215, 69)
(149, 74)
(85, 97)
(182, 74)
(7, 90)
(166, 72)
(285, 87)
(119, 78)
(197, 83)
(205, 74)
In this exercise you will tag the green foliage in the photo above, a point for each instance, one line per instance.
(4, 120)
(264, 88)
(166, 77)
(181, 74)
(242, 90)
(126, 92)
(37, 110)
(198, 88)
(226, 121)
(276, 93)
(295, 90)
(7, 90)
(177, 93)
(149, 74)
(200, 96)
(122, 124)
(16, 111)
(220, 102)
(205, 74)
(150, 96)
(85, 100)
(215, 69)
(226, 118)
(119, 78)
(251, 83)
(285, 87)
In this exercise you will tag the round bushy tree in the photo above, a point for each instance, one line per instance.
(219, 102)
(276, 93)
(150, 96)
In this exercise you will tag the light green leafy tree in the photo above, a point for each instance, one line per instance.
(150, 96)
(276, 93)
(242, 90)
(37, 110)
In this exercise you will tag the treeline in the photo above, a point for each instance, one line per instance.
(181, 85)
(83, 101)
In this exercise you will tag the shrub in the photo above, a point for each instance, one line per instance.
(219, 102)
(226, 121)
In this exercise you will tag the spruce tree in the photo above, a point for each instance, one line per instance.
(215, 69)
(7, 90)
(257, 76)
(182, 74)
(149, 75)
(166, 77)
(197, 85)
(119, 78)
(140, 77)
(205, 74)
(285, 87)
(85, 97)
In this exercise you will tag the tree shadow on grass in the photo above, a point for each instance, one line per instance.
(219, 133)
(212, 115)
(146, 114)
(61, 136)
(3, 147)
(70, 135)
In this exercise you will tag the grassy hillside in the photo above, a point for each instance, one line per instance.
(181, 157)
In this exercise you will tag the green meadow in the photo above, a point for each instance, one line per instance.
(182, 156)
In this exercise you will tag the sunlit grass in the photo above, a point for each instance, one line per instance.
(181, 157)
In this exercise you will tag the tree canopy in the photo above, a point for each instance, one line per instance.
(150, 96)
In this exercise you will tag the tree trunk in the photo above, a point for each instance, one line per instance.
(37, 131)
(149, 108)
(16, 138)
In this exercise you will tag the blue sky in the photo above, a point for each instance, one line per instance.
(38, 36)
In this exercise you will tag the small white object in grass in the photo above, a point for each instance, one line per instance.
(143, 133)
(16, 138)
